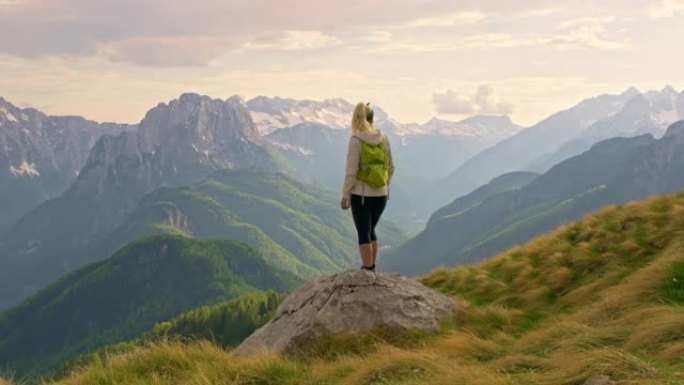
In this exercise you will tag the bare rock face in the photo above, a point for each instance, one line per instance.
(351, 302)
(41, 155)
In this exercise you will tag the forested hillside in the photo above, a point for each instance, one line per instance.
(118, 299)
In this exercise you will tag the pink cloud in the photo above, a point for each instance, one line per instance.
(163, 31)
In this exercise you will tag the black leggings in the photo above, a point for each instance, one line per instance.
(366, 212)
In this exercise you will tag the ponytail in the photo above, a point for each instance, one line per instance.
(362, 118)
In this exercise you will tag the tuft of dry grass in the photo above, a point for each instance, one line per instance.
(467, 346)
(672, 353)
(655, 327)
(576, 367)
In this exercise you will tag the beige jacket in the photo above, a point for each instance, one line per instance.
(351, 184)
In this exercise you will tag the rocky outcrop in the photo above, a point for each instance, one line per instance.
(351, 302)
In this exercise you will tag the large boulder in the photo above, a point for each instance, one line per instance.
(352, 302)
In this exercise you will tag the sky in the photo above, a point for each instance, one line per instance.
(112, 60)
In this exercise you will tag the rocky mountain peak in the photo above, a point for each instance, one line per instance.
(200, 123)
(637, 104)
(675, 130)
(338, 102)
(11, 114)
(436, 122)
(669, 90)
(176, 143)
(648, 112)
(489, 119)
(268, 104)
(619, 143)
(41, 155)
(630, 92)
(679, 104)
(484, 127)
(273, 113)
(5, 103)
(237, 100)
(663, 98)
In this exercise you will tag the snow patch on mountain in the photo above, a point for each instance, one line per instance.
(8, 115)
(436, 127)
(296, 149)
(482, 128)
(273, 113)
(664, 106)
(25, 168)
(270, 114)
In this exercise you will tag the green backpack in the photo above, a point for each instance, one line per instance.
(374, 165)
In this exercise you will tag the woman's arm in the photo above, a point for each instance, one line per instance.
(352, 166)
(391, 162)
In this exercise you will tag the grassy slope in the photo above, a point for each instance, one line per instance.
(602, 296)
(295, 227)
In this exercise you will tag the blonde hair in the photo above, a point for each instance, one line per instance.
(360, 117)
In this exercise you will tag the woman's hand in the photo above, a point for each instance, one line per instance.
(344, 203)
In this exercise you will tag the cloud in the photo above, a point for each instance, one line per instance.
(581, 33)
(126, 28)
(378, 37)
(482, 102)
(11, 3)
(459, 18)
(201, 50)
(666, 9)
(167, 51)
(587, 21)
(538, 12)
(292, 41)
(586, 33)
(583, 38)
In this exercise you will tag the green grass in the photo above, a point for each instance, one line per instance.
(672, 288)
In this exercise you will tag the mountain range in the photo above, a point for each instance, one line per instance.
(182, 142)
(296, 227)
(516, 207)
(317, 143)
(144, 205)
(41, 155)
(650, 112)
(562, 135)
(175, 144)
(424, 154)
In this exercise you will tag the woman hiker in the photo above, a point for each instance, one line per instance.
(366, 181)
